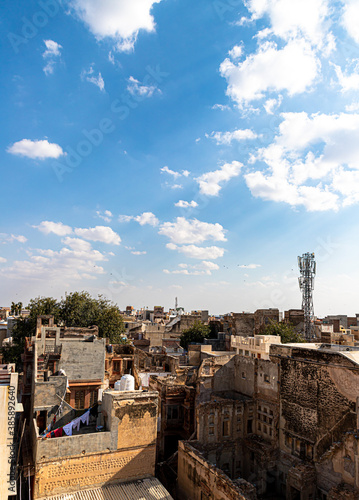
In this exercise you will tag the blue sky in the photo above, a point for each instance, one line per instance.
(160, 148)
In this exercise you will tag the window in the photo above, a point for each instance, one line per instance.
(211, 431)
(68, 397)
(172, 412)
(266, 379)
(243, 375)
(259, 426)
(93, 398)
(117, 366)
(79, 400)
(246, 353)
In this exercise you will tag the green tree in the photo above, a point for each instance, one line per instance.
(285, 330)
(197, 333)
(80, 309)
(77, 309)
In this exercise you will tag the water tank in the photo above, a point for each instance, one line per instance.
(127, 383)
(117, 386)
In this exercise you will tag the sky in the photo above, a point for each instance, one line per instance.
(154, 149)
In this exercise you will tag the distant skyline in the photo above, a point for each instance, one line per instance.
(165, 148)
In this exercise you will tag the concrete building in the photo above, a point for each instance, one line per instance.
(255, 347)
(124, 450)
(9, 409)
(287, 425)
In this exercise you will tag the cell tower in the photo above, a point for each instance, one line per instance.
(307, 267)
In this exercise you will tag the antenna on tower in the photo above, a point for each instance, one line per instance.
(176, 303)
(307, 268)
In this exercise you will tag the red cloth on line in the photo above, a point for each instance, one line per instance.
(58, 432)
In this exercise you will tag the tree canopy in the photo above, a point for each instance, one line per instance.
(285, 330)
(76, 309)
(197, 333)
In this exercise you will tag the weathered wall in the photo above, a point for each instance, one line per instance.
(83, 360)
(198, 479)
(92, 470)
(45, 395)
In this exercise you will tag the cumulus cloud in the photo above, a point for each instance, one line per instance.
(291, 19)
(12, 237)
(307, 160)
(63, 267)
(147, 218)
(135, 87)
(185, 231)
(106, 215)
(186, 204)
(51, 54)
(58, 228)
(237, 135)
(205, 267)
(250, 266)
(104, 234)
(137, 252)
(120, 21)
(2, 260)
(89, 76)
(196, 252)
(348, 80)
(350, 18)
(292, 68)
(166, 170)
(143, 219)
(211, 183)
(36, 150)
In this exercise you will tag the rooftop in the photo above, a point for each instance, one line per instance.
(141, 489)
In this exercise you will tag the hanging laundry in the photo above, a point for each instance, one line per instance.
(68, 429)
(76, 423)
(85, 417)
(58, 432)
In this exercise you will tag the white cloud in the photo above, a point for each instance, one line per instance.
(222, 107)
(236, 135)
(58, 228)
(89, 76)
(204, 268)
(305, 159)
(125, 218)
(210, 183)
(137, 252)
(166, 170)
(135, 87)
(52, 52)
(147, 218)
(176, 186)
(77, 244)
(196, 252)
(68, 265)
(186, 204)
(236, 52)
(2, 260)
(250, 266)
(103, 234)
(272, 104)
(354, 106)
(350, 18)
(293, 68)
(19, 238)
(106, 215)
(191, 231)
(348, 80)
(291, 19)
(36, 150)
(119, 20)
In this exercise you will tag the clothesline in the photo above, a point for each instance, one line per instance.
(68, 428)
